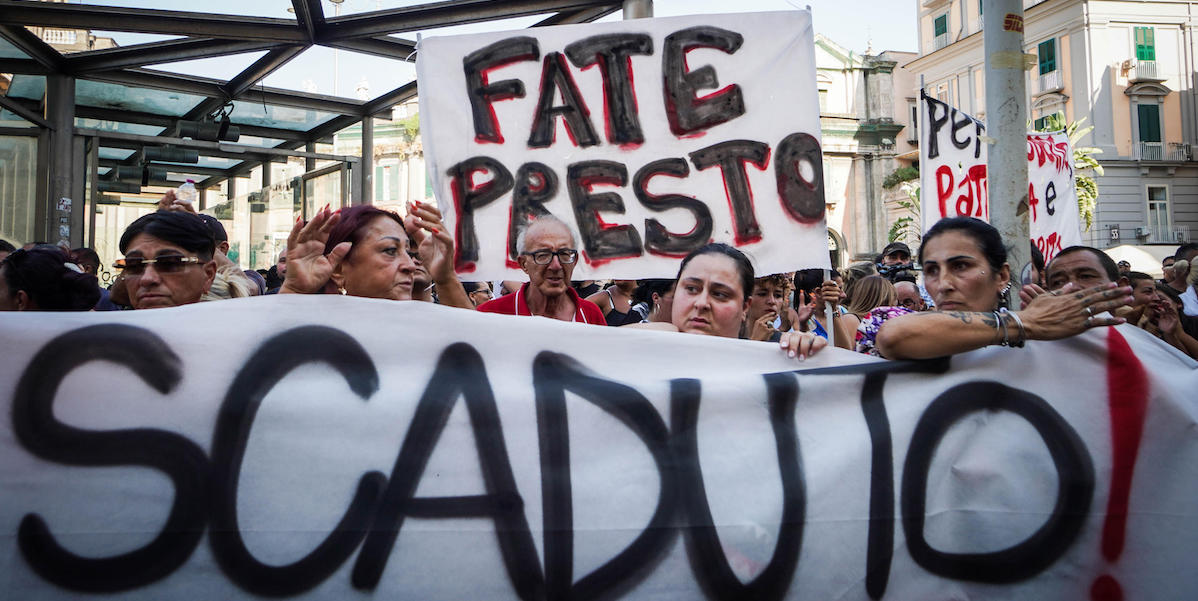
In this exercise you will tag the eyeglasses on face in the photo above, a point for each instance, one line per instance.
(135, 266)
(542, 257)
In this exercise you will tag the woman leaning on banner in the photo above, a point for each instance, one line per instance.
(366, 251)
(711, 297)
(965, 271)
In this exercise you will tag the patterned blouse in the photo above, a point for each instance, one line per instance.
(867, 332)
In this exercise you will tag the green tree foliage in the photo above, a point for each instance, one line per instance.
(907, 178)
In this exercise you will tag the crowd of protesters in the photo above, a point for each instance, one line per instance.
(954, 296)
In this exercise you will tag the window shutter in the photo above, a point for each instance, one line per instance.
(1150, 122)
(1048, 56)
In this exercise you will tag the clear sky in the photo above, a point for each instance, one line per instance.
(854, 24)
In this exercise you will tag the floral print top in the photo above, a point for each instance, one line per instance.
(867, 332)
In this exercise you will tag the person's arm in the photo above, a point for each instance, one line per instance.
(435, 247)
(1165, 316)
(846, 329)
(1051, 316)
(603, 300)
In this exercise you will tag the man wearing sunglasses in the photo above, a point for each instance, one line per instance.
(168, 259)
(548, 255)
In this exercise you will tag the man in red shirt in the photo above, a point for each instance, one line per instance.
(548, 256)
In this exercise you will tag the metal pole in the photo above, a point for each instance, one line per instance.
(638, 9)
(60, 112)
(366, 179)
(1006, 122)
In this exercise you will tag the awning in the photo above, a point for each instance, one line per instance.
(1145, 258)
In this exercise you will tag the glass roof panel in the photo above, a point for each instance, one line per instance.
(256, 141)
(257, 8)
(118, 154)
(317, 68)
(32, 87)
(142, 100)
(10, 119)
(282, 117)
(223, 68)
(119, 127)
(128, 38)
(7, 50)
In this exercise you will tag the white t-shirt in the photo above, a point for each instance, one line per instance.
(1189, 302)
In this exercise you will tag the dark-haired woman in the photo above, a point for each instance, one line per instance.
(965, 270)
(44, 278)
(365, 251)
(711, 297)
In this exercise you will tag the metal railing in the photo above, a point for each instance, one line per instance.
(1149, 151)
(1145, 70)
(1167, 234)
(1050, 82)
(1179, 152)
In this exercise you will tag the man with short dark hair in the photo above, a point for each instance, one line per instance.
(1082, 266)
(548, 255)
(895, 259)
(168, 259)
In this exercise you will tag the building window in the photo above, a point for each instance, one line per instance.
(1158, 214)
(940, 31)
(823, 101)
(1048, 56)
(980, 3)
(913, 130)
(1051, 122)
(1149, 120)
(1145, 44)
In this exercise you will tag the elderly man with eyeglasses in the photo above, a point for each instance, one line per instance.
(168, 259)
(548, 255)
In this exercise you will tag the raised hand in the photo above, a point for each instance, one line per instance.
(1071, 310)
(308, 268)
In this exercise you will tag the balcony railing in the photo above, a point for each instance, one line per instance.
(1050, 82)
(1149, 151)
(59, 36)
(940, 41)
(1156, 151)
(1165, 234)
(1145, 71)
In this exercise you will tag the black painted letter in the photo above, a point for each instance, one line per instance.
(687, 113)
(601, 241)
(612, 53)
(482, 92)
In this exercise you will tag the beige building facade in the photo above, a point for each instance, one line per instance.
(1125, 67)
(864, 133)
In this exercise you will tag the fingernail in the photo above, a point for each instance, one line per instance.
(792, 354)
(436, 231)
(802, 358)
(416, 202)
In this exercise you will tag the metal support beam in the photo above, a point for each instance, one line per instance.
(366, 176)
(585, 15)
(23, 66)
(21, 111)
(60, 112)
(1006, 122)
(444, 14)
(168, 51)
(30, 44)
(143, 20)
(213, 88)
(309, 15)
(267, 177)
(261, 68)
(172, 168)
(638, 9)
(385, 47)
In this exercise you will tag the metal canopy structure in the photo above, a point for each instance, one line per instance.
(110, 96)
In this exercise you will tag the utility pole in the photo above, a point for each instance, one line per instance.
(1006, 122)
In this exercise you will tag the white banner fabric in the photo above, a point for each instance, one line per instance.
(342, 448)
(649, 138)
(953, 176)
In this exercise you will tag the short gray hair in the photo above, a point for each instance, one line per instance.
(542, 221)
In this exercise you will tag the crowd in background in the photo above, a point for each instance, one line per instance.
(953, 296)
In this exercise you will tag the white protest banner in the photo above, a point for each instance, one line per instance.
(1052, 194)
(649, 138)
(343, 448)
(952, 163)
